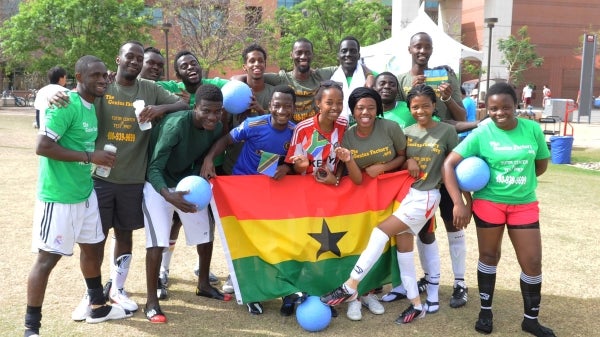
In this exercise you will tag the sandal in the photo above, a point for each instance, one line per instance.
(213, 293)
(155, 315)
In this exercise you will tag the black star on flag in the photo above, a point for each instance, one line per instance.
(328, 240)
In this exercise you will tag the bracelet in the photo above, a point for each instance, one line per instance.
(445, 100)
(88, 156)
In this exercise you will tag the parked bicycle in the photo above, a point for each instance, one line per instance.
(19, 101)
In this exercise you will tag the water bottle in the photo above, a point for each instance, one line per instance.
(139, 106)
(104, 171)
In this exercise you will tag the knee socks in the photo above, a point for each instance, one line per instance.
(370, 255)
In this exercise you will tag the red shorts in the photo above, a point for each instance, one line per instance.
(491, 214)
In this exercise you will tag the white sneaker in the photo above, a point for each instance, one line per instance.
(354, 313)
(228, 286)
(372, 303)
(83, 310)
(101, 314)
(119, 296)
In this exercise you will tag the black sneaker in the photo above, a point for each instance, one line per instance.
(106, 290)
(485, 323)
(161, 290)
(289, 303)
(535, 328)
(410, 314)
(459, 296)
(255, 308)
(422, 285)
(337, 296)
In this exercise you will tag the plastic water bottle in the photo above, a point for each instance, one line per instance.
(139, 106)
(104, 171)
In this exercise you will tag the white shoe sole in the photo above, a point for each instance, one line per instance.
(115, 313)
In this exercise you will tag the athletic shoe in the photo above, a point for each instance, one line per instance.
(107, 312)
(83, 310)
(164, 278)
(354, 313)
(155, 315)
(31, 333)
(535, 328)
(228, 286)
(255, 308)
(372, 303)
(161, 290)
(485, 322)
(106, 290)
(119, 296)
(212, 278)
(410, 314)
(422, 285)
(459, 296)
(337, 296)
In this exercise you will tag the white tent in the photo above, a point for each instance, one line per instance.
(392, 54)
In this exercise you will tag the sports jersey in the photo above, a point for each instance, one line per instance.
(511, 156)
(259, 135)
(118, 125)
(176, 86)
(381, 146)
(178, 149)
(441, 110)
(305, 89)
(316, 144)
(74, 127)
(429, 147)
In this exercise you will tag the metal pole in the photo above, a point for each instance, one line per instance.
(165, 28)
(490, 23)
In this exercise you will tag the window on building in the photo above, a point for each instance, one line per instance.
(287, 3)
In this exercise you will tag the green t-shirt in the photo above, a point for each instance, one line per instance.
(118, 125)
(178, 149)
(305, 90)
(401, 115)
(176, 87)
(75, 128)
(381, 146)
(441, 110)
(429, 147)
(511, 156)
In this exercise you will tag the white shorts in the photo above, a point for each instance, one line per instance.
(57, 227)
(417, 208)
(158, 219)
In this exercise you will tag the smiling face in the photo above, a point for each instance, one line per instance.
(387, 87)
(365, 112)
(255, 64)
(207, 114)
(302, 55)
(130, 60)
(421, 108)
(92, 82)
(153, 66)
(281, 108)
(501, 108)
(421, 48)
(189, 70)
(331, 103)
(348, 54)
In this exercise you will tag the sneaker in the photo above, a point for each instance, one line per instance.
(228, 286)
(337, 296)
(410, 314)
(287, 306)
(161, 291)
(255, 308)
(485, 322)
(119, 296)
(459, 296)
(535, 328)
(107, 312)
(106, 290)
(212, 278)
(164, 278)
(422, 285)
(155, 315)
(83, 310)
(354, 310)
(372, 303)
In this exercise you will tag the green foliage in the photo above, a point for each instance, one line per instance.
(518, 54)
(472, 68)
(45, 33)
(326, 22)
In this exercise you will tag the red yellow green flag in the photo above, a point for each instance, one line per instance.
(296, 234)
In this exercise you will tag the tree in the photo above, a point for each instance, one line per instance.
(326, 22)
(518, 54)
(217, 31)
(45, 33)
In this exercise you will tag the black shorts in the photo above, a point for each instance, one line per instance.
(120, 205)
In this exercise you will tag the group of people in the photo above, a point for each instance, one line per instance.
(332, 123)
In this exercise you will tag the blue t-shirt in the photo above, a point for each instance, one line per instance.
(259, 135)
(471, 109)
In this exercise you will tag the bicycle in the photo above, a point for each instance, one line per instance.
(19, 101)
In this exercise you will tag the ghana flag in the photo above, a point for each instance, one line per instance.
(296, 234)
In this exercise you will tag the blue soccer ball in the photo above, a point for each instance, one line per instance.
(237, 97)
(313, 315)
(199, 189)
(472, 174)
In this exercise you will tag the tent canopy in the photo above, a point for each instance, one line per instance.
(392, 54)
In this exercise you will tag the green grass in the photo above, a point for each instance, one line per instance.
(585, 155)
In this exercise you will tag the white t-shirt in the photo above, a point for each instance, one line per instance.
(527, 91)
(41, 100)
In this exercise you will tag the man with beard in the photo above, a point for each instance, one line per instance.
(120, 193)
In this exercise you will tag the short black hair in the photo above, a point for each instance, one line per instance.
(152, 50)
(349, 38)
(55, 74)
(285, 89)
(179, 55)
(421, 90)
(84, 62)
(209, 92)
(501, 88)
(304, 40)
(326, 85)
(251, 48)
(130, 42)
(420, 33)
(364, 92)
(387, 73)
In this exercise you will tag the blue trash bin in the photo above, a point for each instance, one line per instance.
(560, 149)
